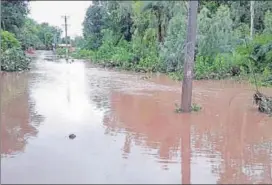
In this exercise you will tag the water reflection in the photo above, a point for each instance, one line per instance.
(127, 130)
(18, 120)
(227, 134)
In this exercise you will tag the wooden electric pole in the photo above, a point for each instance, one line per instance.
(66, 37)
(186, 98)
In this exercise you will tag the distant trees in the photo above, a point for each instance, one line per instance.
(18, 33)
(13, 15)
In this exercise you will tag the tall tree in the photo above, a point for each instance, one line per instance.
(13, 15)
(163, 13)
(47, 33)
(189, 57)
(93, 25)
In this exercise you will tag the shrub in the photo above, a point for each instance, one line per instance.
(61, 51)
(14, 59)
(8, 41)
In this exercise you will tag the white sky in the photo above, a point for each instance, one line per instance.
(51, 12)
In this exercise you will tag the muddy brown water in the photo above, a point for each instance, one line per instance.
(127, 130)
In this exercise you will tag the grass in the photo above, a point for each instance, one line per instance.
(194, 108)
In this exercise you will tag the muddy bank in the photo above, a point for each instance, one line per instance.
(127, 130)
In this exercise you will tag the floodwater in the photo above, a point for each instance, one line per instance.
(127, 130)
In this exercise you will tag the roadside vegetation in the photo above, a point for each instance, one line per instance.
(149, 36)
(19, 33)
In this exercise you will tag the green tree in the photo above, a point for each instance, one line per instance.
(268, 22)
(240, 13)
(92, 26)
(47, 34)
(28, 35)
(8, 41)
(13, 15)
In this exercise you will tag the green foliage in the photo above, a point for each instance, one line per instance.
(149, 36)
(28, 35)
(61, 51)
(92, 26)
(259, 50)
(177, 76)
(19, 33)
(240, 13)
(14, 59)
(268, 22)
(215, 34)
(82, 54)
(8, 41)
(172, 50)
(26, 30)
(13, 15)
(78, 42)
(49, 35)
(219, 69)
(194, 108)
(12, 56)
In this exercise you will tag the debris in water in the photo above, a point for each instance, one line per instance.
(145, 77)
(72, 136)
(264, 102)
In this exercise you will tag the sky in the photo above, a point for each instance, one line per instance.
(52, 12)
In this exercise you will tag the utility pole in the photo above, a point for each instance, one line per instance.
(186, 97)
(54, 43)
(0, 50)
(251, 19)
(66, 38)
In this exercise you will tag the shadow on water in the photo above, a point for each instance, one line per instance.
(127, 130)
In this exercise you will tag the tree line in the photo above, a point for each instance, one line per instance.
(19, 32)
(150, 36)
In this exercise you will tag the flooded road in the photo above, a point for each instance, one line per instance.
(127, 129)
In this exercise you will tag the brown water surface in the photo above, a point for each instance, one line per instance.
(127, 130)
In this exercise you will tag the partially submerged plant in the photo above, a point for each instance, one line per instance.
(177, 109)
(194, 108)
(264, 102)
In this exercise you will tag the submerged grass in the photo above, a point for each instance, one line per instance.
(194, 108)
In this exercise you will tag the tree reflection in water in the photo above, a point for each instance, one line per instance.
(18, 116)
(232, 135)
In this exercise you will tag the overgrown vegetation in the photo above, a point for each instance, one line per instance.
(149, 36)
(13, 59)
(263, 102)
(20, 33)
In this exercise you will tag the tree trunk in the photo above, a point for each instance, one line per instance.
(160, 39)
(189, 57)
(251, 19)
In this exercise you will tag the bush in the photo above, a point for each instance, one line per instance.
(260, 50)
(14, 59)
(60, 51)
(8, 41)
(268, 22)
(83, 54)
(172, 50)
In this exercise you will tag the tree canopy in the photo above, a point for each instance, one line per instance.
(150, 36)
